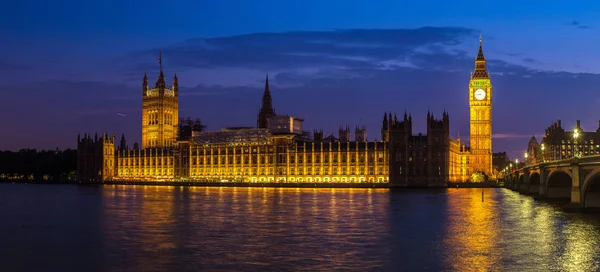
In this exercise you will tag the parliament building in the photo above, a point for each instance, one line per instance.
(279, 150)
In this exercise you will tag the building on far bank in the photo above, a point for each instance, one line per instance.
(534, 152)
(419, 160)
(500, 161)
(96, 157)
(278, 150)
(559, 144)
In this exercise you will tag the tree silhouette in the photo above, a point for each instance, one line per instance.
(39, 166)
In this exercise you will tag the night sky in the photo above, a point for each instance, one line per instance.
(69, 67)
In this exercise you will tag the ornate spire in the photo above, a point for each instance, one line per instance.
(480, 66)
(267, 101)
(266, 111)
(480, 53)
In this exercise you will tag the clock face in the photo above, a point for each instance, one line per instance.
(479, 94)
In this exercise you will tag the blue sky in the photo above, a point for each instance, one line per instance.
(71, 66)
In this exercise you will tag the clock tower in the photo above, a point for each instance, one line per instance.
(480, 112)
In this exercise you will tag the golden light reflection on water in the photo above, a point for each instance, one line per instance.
(221, 228)
(473, 232)
(581, 250)
(511, 232)
(247, 224)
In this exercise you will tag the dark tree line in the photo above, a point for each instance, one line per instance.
(187, 126)
(51, 165)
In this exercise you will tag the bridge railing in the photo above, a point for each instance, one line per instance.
(562, 162)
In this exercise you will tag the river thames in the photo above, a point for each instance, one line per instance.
(161, 228)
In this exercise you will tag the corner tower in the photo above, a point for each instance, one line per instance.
(480, 115)
(160, 112)
(266, 111)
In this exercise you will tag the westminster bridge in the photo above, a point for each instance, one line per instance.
(576, 179)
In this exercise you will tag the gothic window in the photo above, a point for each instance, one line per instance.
(398, 156)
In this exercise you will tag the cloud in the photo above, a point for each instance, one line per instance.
(300, 57)
(353, 48)
(578, 25)
(330, 78)
(511, 136)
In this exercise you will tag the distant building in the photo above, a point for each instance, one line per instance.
(559, 144)
(500, 161)
(96, 157)
(360, 134)
(419, 160)
(281, 124)
(534, 152)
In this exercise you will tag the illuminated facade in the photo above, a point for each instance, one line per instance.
(160, 112)
(459, 161)
(277, 150)
(261, 156)
(560, 144)
(480, 115)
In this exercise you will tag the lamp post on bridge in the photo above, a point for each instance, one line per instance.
(576, 149)
(525, 158)
(543, 157)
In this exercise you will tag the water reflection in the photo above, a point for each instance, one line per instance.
(261, 228)
(508, 231)
(473, 232)
(581, 250)
(152, 228)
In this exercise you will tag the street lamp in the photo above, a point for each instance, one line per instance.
(525, 157)
(543, 157)
(575, 136)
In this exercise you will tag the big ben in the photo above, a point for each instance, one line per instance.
(480, 105)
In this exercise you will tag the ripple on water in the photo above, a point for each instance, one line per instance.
(153, 228)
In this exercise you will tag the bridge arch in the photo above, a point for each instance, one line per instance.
(534, 178)
(559, 184)
(591, 191)
(521, 179)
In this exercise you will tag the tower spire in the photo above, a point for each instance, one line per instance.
(267, 101)
(480, 63)
(480, 53)
(160, 82)
(160, 60)
(266, 111)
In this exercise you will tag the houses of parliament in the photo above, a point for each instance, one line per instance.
(278, 150)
